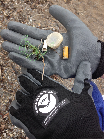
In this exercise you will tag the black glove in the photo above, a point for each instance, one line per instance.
(83, 46)
(51, 111)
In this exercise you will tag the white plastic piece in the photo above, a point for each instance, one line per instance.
(54, 40)
(44, 46)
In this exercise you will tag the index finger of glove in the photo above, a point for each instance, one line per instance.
(47, 82)
(32, 32)
(27, 84)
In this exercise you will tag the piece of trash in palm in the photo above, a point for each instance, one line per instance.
(53, 41)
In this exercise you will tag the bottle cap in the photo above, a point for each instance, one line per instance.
(54, 40)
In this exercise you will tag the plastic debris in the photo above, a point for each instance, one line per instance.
(44, 46)
(54, 40)
(65, 52)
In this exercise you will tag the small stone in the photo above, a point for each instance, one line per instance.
(2, 127)
(54, 40)
(4, 134)
(11, 135)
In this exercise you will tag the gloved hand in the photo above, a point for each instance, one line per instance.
(84, 48)
(51, 111)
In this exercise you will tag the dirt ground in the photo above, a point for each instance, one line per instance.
(36, 13)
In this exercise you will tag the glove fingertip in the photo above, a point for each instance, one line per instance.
(19, 97)
(13, 111)
(86, 86)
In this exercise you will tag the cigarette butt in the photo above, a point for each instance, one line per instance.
(65, 52)
(44, 46)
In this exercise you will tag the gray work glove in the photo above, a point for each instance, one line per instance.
(85, 51)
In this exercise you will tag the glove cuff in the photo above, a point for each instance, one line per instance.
(100, 69)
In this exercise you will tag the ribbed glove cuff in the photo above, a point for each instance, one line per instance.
(100, 69)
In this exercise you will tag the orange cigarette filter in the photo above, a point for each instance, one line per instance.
(65, 52)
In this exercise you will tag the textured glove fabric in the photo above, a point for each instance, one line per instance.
(51, 111)
(100, 69)
(99, 104)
